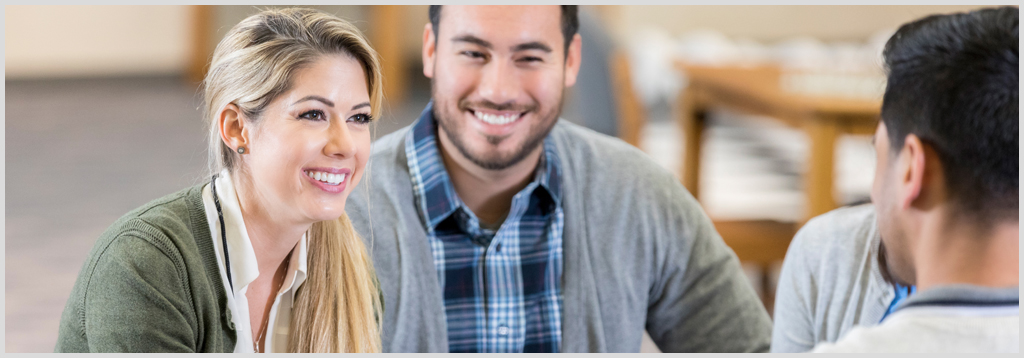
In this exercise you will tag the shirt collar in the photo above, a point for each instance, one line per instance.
(435, 194)
(243, 259)
(963, 295)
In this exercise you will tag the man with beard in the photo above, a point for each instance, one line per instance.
(946, 187)
(497, 227)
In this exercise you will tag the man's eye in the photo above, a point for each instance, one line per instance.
(531, 59)
(315, 115)
(361, 118)
(474, 54)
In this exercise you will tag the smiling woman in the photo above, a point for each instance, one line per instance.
(263, 257)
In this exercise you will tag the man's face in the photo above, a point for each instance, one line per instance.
(886, 200)
(498, 73)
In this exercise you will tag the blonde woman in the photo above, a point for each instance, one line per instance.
(262, 257)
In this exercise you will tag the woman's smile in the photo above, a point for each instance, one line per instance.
(331, 180)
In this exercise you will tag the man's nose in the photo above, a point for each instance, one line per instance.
(499, 83)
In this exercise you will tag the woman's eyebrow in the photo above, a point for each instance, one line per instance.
(361, 105)
(315, 98)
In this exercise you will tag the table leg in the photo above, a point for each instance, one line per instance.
(691, 116)
(818, 180)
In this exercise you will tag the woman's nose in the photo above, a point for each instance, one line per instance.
(339, 140)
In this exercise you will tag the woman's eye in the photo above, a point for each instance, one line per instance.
(316, 115)
(361, 118)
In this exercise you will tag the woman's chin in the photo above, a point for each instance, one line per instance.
(332, 213)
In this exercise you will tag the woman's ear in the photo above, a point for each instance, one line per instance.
(233, 130)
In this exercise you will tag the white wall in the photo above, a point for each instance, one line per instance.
(77, 41)
(773, 22)
(81, 41)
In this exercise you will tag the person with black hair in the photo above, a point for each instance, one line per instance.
(946, 187)
(499, 227)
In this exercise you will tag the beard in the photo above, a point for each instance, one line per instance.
(455, 129)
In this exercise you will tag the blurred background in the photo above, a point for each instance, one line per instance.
(763, 112)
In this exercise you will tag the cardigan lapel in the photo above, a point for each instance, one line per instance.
(204, 241)
(582, 330)
(413, 251)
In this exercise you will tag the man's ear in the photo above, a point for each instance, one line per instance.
(429, 50)
(912, 170)
(233, 129)
(572, 60)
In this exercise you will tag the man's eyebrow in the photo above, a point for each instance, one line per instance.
(473, 40)
(361, 105)
(535, 45)
(315, 98)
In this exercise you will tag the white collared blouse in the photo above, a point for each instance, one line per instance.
(244, 270)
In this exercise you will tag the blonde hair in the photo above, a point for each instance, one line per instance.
(337, 307)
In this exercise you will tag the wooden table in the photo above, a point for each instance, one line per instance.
(757, 91)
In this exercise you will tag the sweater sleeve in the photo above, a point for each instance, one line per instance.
(794, 318)
(702, 301)
(138, 299)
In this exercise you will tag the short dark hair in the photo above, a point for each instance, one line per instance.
(953, 82)
(570, 23)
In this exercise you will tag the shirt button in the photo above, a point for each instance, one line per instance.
(503, 330)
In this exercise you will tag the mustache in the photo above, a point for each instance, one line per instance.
(508, 106)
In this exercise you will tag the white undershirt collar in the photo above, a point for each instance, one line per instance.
(244, 269)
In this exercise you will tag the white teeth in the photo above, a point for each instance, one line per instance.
(332, 179)
(496, 119)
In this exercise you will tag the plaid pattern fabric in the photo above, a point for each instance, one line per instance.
(502, 289)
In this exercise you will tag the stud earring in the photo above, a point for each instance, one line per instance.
(241, 150)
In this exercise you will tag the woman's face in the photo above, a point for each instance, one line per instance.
(312, 143)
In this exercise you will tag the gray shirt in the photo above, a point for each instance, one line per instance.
(955, 318)
(830, 281)
(639, 253)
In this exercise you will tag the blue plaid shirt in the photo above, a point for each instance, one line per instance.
(502, 289)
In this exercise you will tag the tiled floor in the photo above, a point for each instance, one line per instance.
(81, 153)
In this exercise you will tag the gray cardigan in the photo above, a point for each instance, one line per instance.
(639, 254)
(830, 281)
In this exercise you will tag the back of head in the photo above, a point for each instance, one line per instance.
(953, 82)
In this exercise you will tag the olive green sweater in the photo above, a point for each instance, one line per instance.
(151, 284)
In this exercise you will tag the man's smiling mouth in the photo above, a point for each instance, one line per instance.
(496, 119)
